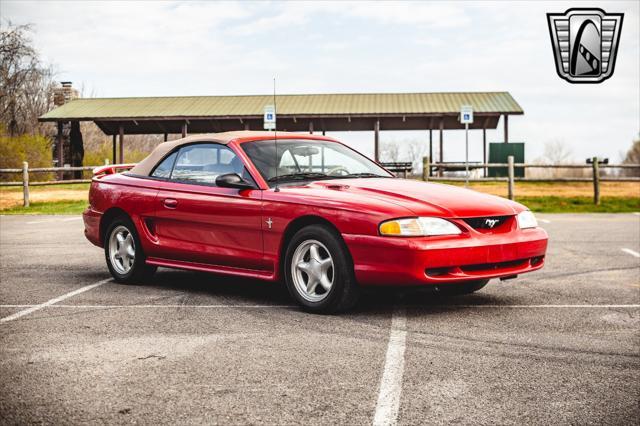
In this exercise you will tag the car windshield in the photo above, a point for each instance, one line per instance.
(304, 160)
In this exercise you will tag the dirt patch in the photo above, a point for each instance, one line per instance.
(14, 198)
(564, 189)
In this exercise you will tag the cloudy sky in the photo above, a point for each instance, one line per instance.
(218, 48)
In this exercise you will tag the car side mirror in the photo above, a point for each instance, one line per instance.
(233, 180)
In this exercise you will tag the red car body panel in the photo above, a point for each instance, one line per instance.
(224, 230)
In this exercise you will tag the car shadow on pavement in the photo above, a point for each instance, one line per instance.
(231, 290)
(244, 291)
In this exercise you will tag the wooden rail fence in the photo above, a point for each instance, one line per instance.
(403, 168)
(595, 167)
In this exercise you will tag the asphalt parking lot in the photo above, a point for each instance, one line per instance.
(558, 346)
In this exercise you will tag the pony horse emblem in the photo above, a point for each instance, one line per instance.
(585, 43)
(490, 223)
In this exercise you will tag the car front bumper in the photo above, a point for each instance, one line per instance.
(416, 261)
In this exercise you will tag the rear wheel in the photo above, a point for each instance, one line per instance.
(462, 288)
(319, 271)
(123, 252)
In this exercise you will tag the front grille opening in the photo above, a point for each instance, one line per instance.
(484, 267)
(491, 266)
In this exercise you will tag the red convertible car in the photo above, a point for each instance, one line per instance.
(306, 209)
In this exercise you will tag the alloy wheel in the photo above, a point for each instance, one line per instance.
(122, 249)
(312, 270)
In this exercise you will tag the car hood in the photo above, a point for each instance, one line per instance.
(419, 198)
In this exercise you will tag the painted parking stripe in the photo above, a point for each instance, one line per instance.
(61, 306)
(153, 306)
(53, 301)
(631, 252)
(391, 383)
(534, 306)
(544, 220)
(67, 219)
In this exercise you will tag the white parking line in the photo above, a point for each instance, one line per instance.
(544, 220)
(67, 219)
(391, 383)
(294, 306)
(631, 252)
(53, 301)
(151, 306)
(536, 306)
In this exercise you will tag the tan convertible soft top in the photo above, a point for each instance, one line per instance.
(145, 167)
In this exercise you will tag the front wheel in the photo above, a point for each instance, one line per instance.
(123, 252)
(319, 271)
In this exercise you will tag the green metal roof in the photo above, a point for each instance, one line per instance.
(366, 104)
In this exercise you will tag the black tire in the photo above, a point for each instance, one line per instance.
(344, 291)
(462, 288)
(139, 271)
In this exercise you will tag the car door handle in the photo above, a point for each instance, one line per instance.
(170, 203)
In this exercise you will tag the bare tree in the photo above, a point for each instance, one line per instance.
(26, 84)
(417, 150)
(632, 157)
(556, 152)
(391, 151)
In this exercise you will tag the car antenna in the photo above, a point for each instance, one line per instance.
(275, 133)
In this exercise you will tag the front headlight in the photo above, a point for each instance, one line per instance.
(526, 219)
(418, 226)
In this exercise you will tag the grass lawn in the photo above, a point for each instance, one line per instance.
(553, 204)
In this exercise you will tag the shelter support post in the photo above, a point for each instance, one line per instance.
(121, 144)
(506, 128)
(484, 149)
(311, 127)
(430, 148)
(376, 140)
(441, 154)
(76, 148)
(184, 130)
(113, 150)
(246, 126)
(166, 137)
(60, 149)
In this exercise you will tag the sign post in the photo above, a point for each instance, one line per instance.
(466, 118)
(269, 117)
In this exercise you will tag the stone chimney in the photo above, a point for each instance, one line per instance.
(64, 94)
